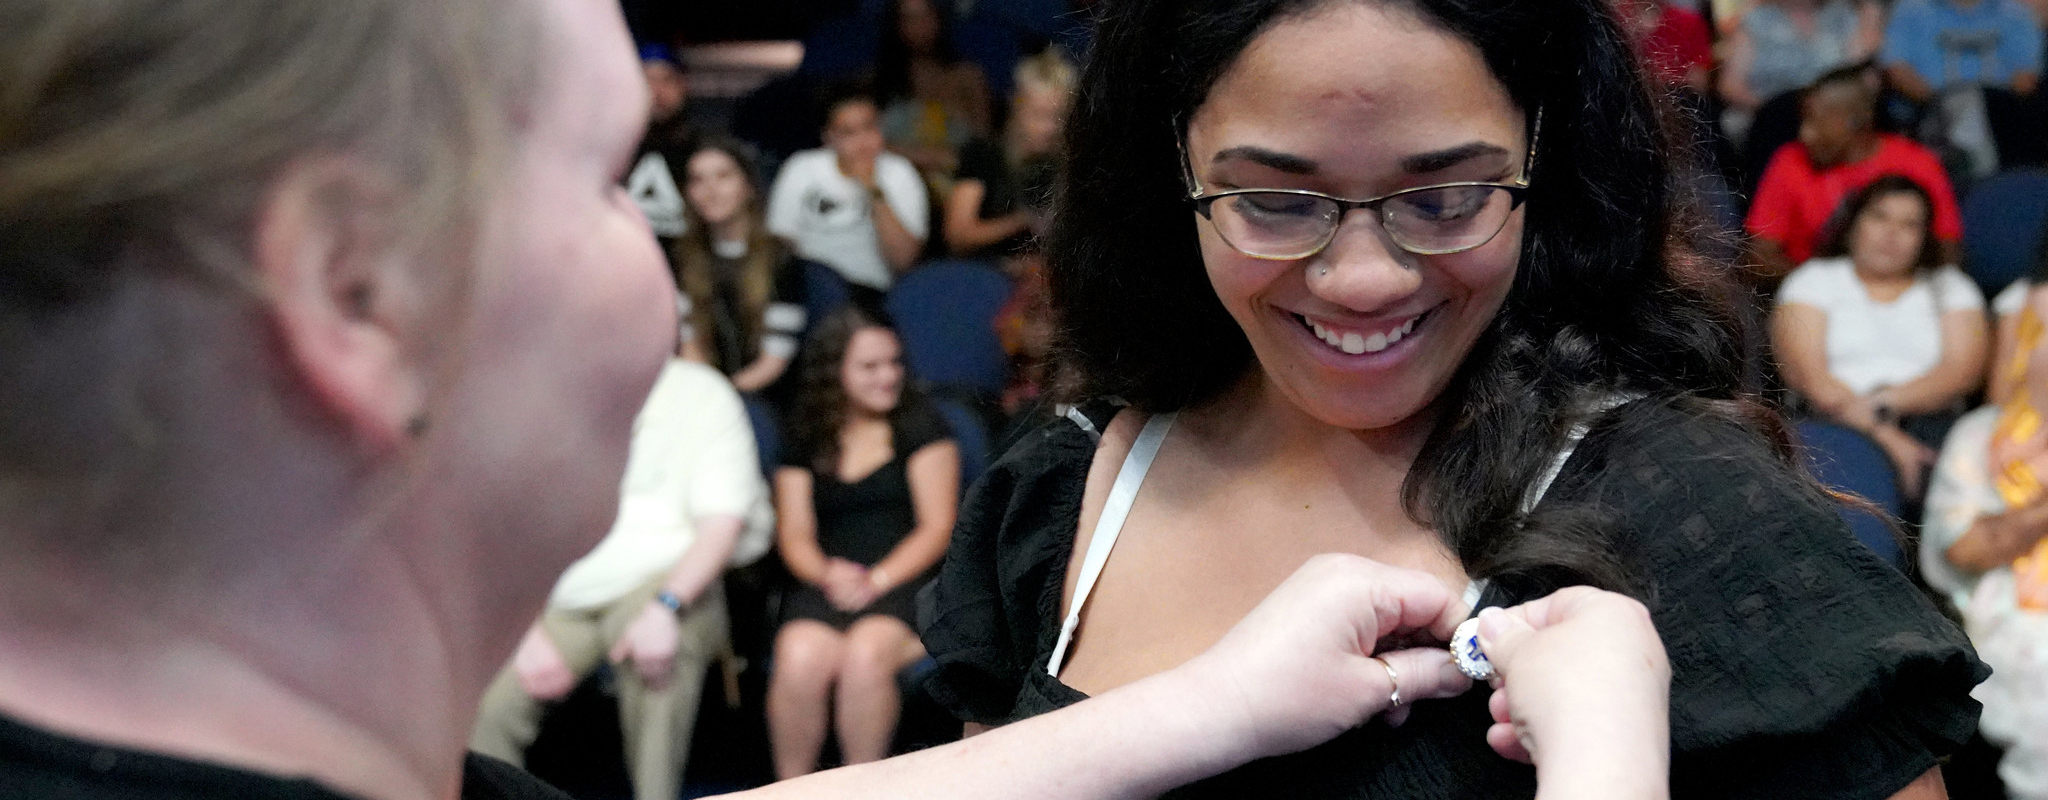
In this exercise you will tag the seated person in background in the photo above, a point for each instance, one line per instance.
(1972, 66)
(1784, 45)
(865, 501)
(1985, 546)
(2005, 309)
(851, 205)
(1932, 46)
(1002, 192)
(744, 287)
(648, 599)
(933, 101)
(1675, 42)
(1839, 151)
(1876, 334)
(655, 180)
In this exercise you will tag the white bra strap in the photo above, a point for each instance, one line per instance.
(1571, 443)
(1114, 511)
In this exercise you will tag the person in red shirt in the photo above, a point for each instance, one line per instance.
(1675, 44)
(1838, 151)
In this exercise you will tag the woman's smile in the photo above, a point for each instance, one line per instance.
(1381, 337)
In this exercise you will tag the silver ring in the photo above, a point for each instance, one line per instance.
(1393, 679)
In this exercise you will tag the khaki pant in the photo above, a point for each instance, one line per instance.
(657, 725)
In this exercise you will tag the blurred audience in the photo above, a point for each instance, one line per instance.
(866, 497)
(1839, 151)
(1002, 192)
(1877, 334)
(1964, 62)
(933, 101)
(1782, 46)
(670, 137)
(1674, 41)
(745, 291)
(648, 599)
(1985, 547)
(852, 205)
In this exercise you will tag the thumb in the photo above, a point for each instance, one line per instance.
(1501, 634)
(621, 650)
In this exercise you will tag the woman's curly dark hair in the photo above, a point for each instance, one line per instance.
(1608, 299)
(821, 398)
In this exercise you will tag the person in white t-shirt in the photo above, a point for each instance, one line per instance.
(648, 598)
(1876, 335)
(851, 205)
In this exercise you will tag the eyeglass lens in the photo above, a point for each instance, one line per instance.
(1432, 221)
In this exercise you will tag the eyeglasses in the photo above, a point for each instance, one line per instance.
(1288, 224)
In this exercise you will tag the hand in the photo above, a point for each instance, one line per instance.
(858, 163)
(541, 670)
(1582, 690)
(846, 585)
(1296, 671)
(649, 645)
(1911, 458)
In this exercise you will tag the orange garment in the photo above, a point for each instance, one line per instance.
(2019, 454)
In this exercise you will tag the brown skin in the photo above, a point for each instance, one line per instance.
(1994, 541)
(854, 134)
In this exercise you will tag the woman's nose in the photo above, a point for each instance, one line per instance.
(1362, 269)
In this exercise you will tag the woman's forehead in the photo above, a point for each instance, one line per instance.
(1351, 73)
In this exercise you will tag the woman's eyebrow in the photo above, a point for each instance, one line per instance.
(1291, 164)
(1425, 163)
(1418, 164)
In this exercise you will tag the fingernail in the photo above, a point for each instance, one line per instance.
(1492, 622)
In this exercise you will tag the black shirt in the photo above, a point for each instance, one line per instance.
(38, 764)
(1802, 665)
(1007, 188)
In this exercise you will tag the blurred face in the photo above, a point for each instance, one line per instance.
(872, 373)
(918, 25)
(1887, 236)
(667, 89)
(1359, 100)
(571, 311)
(1830, 125)
(717, 188)
(1037, 117)
(854, 131)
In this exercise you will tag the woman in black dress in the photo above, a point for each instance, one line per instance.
(865, 499)
(1410, 280)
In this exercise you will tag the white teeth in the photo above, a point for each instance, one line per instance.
(1356, 343)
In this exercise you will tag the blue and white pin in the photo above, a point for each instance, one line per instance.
(1465, 650)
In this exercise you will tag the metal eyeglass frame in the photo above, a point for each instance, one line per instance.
(1517, 192)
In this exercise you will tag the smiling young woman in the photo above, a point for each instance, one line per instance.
(1406, 280)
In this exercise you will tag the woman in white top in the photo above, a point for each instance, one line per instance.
(1874, 335)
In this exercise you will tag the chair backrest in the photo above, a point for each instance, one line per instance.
(824, 291)
(970, 433)
(2003, 216)
(945, 314)
(1846, 461)
(767, 433)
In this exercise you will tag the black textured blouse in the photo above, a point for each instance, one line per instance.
(1802, 665)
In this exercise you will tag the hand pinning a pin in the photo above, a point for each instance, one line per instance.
(1465, 650)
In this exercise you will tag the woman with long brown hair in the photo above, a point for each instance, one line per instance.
(742, 287)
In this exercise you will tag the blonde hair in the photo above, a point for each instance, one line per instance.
(1049, 71)
(155, 124)
(138, 137)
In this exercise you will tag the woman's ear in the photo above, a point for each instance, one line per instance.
(341, 297)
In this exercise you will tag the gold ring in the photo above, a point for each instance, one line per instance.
(1393, 679)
